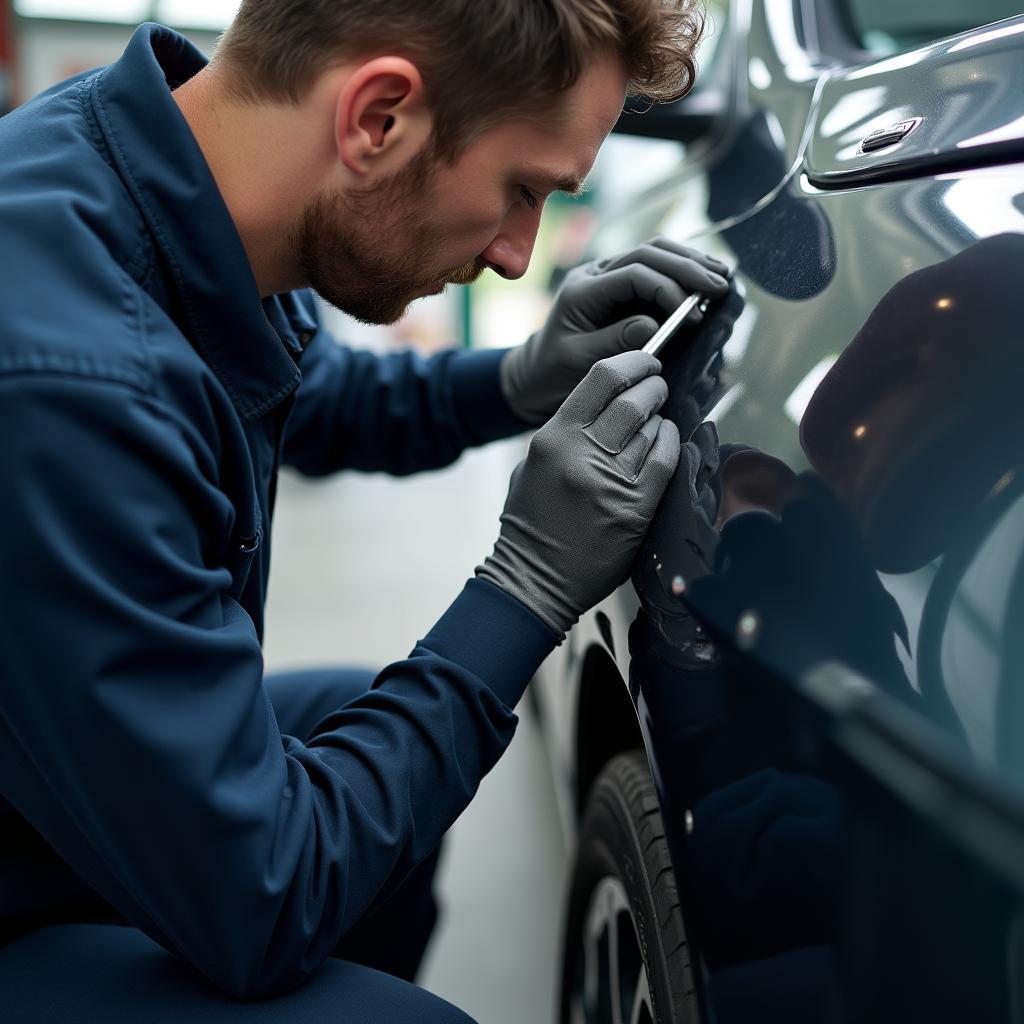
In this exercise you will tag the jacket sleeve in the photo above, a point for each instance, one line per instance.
(398, 413)
(135, 732)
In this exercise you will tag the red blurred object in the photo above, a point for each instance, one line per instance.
(6, 56)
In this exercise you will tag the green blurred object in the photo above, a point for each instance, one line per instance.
(466, 315)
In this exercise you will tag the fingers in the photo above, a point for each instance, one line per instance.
(637, 332)
(713, 264)
(623, 336)
(631, 460)
(657, 443)
(661, 462)
(629, 284)
(689, 271)
(607, 379)
(618, 424)
(701, 497)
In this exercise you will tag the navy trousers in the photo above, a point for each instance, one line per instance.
(82, 973)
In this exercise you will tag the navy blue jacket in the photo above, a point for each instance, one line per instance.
(147, 397)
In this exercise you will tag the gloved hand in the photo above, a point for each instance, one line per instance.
(580, 502)
(654, 278)
(679, 547)
(793, 590)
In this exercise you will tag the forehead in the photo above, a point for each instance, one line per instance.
(561, 140)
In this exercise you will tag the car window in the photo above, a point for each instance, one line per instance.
(884, 27)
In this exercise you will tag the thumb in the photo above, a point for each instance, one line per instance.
(638, 331)
(624, 336)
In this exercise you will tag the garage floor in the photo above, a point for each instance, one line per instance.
(362, 567)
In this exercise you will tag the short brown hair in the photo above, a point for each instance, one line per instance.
(481, 60)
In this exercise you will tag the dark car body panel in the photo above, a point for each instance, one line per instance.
(875, 339)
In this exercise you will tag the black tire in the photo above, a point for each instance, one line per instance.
(623, 885)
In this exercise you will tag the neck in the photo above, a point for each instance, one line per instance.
(265, 161)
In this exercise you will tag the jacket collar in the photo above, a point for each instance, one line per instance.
(249, 344)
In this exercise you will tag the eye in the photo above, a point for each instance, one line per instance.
(528, 197)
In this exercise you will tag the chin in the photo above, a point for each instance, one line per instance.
(374, 313)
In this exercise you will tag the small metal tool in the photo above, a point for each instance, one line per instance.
(675, 321)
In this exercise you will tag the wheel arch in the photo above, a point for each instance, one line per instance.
(606, 721)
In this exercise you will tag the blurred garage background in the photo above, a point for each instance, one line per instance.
(363, 565)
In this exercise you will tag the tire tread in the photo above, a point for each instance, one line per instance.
(626, 788)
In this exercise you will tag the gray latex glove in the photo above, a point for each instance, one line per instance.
(582, 327)
(580, 502)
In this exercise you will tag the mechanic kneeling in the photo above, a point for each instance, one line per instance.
(159, 360)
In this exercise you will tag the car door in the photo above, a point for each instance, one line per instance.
(866, 373)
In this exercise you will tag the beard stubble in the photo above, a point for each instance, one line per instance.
(345, 246)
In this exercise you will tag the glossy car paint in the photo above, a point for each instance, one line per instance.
(901, 390)
(965, 92)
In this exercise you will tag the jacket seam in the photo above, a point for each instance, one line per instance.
(251, 412)
(73, 366)
(135, 322)
(131, 311)
(140, 262)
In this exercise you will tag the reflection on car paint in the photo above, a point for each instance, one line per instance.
(915, 436)
(964, 97)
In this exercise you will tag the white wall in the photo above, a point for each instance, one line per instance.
(49, 51)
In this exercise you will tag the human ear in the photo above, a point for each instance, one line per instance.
(381, 116)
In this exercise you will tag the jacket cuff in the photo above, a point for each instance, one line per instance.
(478, 399)
(493, 636)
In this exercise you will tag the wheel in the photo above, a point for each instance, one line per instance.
(625, 959)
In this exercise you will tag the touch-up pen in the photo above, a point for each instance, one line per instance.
(669, 327)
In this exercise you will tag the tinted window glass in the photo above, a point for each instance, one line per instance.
(885, 27)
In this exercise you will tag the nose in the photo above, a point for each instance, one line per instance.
(509, 252)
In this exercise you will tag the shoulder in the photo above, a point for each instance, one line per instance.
(75, 246)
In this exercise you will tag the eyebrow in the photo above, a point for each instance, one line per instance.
(570, 185)
(567, 183)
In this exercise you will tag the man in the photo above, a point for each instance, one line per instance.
(157, 365)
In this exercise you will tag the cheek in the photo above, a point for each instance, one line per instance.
(469, 234)
(486, 217)
(470, 219)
